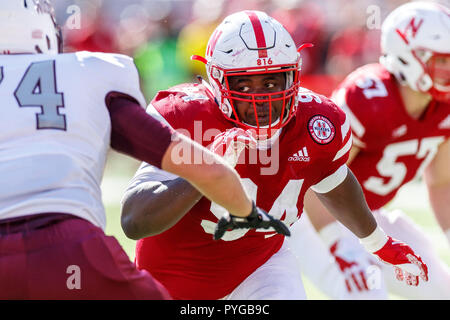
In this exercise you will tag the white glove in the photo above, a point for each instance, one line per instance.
(350, 257)
(351, 263)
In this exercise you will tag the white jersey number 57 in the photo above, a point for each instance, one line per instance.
(389, 167)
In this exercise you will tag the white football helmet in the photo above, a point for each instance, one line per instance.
(28, 27)
(415, 46)
(252, 43)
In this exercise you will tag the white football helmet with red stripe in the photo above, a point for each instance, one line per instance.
(415, 45)
(251, 43)
(28, 27)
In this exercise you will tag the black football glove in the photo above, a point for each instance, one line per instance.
(258, 218)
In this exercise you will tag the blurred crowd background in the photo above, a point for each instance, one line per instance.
(162, 34)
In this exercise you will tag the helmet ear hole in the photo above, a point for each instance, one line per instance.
(402, 61)
(30, 27)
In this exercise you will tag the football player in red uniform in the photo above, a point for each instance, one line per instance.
(399, 110)
(281, 139)
(60, 114)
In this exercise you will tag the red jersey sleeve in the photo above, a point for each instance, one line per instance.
(191, 110)
(329, 140)
(367, 96)
(334, 169)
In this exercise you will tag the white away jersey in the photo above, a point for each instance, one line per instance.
(55, 130)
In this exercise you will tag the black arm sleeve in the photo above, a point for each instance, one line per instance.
(135, 133)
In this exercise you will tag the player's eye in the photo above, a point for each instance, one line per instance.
(244, 89)
(273, 86)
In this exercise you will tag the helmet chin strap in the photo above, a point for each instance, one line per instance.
(264, 143)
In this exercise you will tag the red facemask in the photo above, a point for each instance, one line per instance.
(438, 67)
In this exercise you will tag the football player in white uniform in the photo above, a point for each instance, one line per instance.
(60, 113)
(400, 116)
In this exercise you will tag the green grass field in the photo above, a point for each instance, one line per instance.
(411, 199)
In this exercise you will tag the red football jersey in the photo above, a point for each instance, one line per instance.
(395, 148)
(313, 146)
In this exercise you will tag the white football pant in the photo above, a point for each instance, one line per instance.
(318, 265)
(278, 279)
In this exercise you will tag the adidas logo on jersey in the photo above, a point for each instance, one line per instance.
(301, 155)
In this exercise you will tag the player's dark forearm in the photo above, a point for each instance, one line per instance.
(347, 204)
(155, 207)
